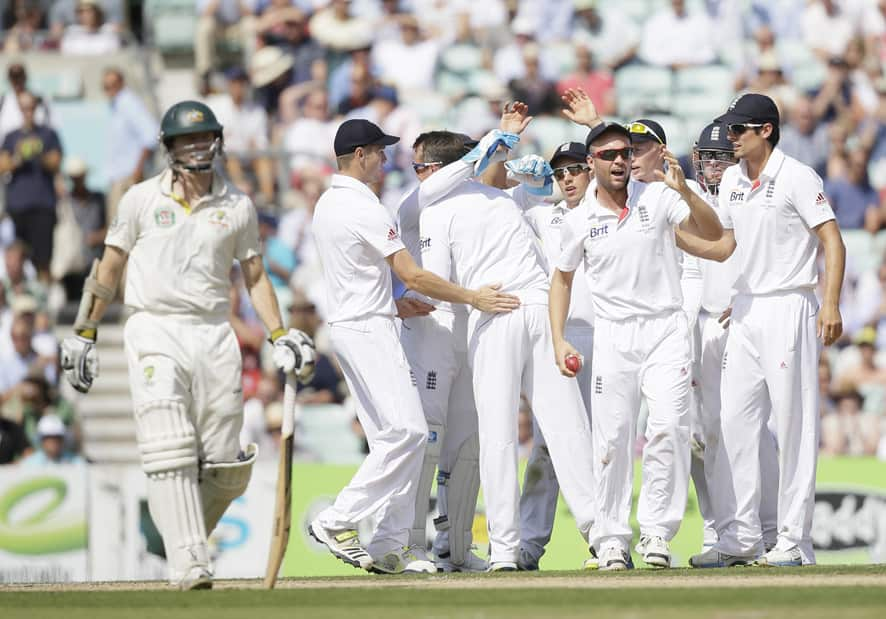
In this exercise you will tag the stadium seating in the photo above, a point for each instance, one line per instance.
(83, 130)
(640, 89)
(171, 24)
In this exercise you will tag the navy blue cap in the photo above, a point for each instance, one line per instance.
(237, 74)
(602, 128)
(575, 151)
(750, 108)
(360, 132)
(713, 137)
(644, 129)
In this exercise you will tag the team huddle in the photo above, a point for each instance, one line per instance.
(697, 297)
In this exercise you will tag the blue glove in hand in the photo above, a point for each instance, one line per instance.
(487, 149)
(533, 172)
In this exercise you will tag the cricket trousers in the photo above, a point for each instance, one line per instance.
(770, 376)
(538, 500)
(389, 409)
(510, 353)
(648, 356)
(706, 431)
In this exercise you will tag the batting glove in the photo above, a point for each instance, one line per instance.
(79, 360)
(533, 172)
(487, 149)
(294, 352)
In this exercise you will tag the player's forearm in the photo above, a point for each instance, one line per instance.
(109, 273)
(834, 263)
(436, 287)
(264, 300)
(718, 250)
(703, 216)
(558, 303)
(439, 184)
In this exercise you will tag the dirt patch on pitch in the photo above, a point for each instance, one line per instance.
(522, 581)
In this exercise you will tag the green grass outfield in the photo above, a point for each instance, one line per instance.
(801, 593)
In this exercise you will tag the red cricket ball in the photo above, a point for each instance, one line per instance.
(573, 363)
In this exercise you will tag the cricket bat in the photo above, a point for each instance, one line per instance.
(283, 501)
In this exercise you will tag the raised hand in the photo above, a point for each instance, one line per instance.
(579, 108)
(674, 178)
(563, 349)
(515, 117)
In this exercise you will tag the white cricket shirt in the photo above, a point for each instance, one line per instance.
(631, 260)
(547, 222)
(180, 259)
(717, 278)
(479, 236)
(773, 218)
(354, 234)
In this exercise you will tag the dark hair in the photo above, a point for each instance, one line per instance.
(774, 137)
(442, 146)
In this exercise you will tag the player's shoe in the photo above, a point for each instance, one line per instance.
(472, 564)
(613, 558)
(407, 560)
(196, 579)
(526, 561)
(502, 566)
(655, 551)
(345, 545)
(714, 558)
(592, 562)
(781, 558)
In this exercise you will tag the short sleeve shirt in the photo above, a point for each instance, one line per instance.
(31, 185)
(180, 257)
(631, 259)
(354, 234)
(773, 219)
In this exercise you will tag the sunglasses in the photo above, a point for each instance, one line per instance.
(641, 129)
(574, 170)
(419, 167)
(739, 128)
(716, 156)
(611, 154)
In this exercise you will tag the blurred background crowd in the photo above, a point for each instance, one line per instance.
(87, 80)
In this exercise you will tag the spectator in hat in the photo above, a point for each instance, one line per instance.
(10, 113)
(508, 64)
(246, 136)
(676, 38)
(271, 73)
(280, 23)
(32, 156)
(337, 29)
(91, 35)
(408, 62)
(89, 210)
(52, 433)
(217, 20)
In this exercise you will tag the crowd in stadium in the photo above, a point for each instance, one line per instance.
(281, 75)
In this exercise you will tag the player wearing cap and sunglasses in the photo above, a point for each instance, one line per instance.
(625, 241)
(358, 247)
(538, 500)
(775, 214)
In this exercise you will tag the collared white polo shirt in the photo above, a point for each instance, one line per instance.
(547, 222)
(180, 256)
(354, 234)
(631, 260)
(773, 219)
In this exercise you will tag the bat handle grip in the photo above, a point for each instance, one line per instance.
(289, 392)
